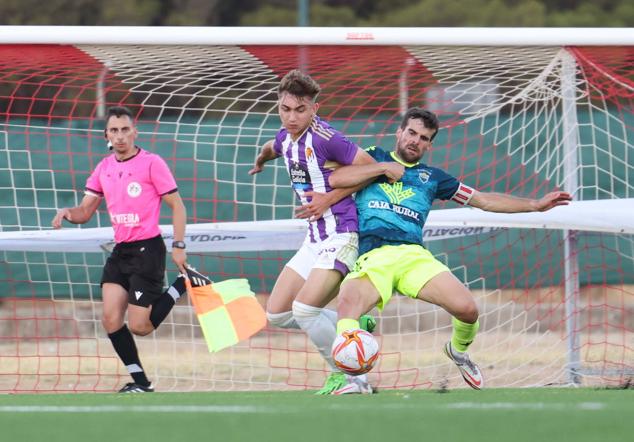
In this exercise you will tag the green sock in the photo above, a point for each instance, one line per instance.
(346, 324)
(463, 334)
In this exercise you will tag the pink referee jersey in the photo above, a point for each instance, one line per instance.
(133, 189)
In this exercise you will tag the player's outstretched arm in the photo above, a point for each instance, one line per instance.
(319, 202)
(79, 214)
(266, 154)
(504, 203)
(350, 176)
(179, 220)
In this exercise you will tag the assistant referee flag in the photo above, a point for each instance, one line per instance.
(228, 311)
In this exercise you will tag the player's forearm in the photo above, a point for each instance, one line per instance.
(267, 153)
(503, 203)
(179, 220)
(355, 176)
(78, 215)
(340, 193)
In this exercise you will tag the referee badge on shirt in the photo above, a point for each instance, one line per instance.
(134, 189)
(424, 175)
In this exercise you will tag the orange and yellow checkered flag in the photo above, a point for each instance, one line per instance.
(228, 311)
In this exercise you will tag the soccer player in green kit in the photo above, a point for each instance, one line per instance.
(391, 219)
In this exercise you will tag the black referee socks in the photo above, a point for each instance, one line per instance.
(163, 306)
(124, 345)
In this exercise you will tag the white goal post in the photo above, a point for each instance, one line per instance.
(522, 111)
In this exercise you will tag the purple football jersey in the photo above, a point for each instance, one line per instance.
(310, 160)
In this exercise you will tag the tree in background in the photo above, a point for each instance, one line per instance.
(36, 12)
(321, 14)
(600, 13)
(478, 13)
(442, 13)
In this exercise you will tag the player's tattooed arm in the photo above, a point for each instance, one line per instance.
(266, 154)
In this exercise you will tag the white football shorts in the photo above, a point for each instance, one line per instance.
(338, 252)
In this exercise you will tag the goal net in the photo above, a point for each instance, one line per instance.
(556, 294)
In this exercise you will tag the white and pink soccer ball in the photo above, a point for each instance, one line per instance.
(355, 351)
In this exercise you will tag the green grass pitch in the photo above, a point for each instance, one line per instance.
(536, 415)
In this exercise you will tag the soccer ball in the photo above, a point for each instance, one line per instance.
(355, 351)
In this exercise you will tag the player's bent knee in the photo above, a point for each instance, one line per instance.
(279, 305)
(468, 312)
(345, 299)
(141, 329)
(350, 304)
(111, 323)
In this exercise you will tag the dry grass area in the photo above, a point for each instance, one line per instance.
(60, 346)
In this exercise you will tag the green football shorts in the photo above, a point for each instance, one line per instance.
(405, 268)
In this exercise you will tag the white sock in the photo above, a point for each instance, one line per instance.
(286, 320)
(319, 328)
(282, 320)
(331, 315)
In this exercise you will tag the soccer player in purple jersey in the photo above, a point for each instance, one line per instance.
(310, 148)
(133, 182)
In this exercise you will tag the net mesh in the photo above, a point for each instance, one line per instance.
(207, 109)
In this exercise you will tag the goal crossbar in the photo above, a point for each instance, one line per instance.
(198, 35)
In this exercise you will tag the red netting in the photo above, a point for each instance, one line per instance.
(207, 111)
(609, 70)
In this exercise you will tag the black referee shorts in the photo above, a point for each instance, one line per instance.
(138, 267)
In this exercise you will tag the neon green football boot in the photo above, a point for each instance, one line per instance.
(334, 381)
(367, 323)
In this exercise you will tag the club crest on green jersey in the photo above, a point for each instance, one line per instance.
(424, 175)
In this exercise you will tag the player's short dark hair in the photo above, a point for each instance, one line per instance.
(118, 111)
(299, 84)
(429, 119)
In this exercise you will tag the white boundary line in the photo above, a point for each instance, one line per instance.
(557, 406)
(134, 409)
(251, 409)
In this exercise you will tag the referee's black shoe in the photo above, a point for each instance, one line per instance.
(132, 387)
(196, 278)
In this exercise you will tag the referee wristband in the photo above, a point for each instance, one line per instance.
(178, 245)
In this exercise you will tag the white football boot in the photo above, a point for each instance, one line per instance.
(355, 385)
(469, 370)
